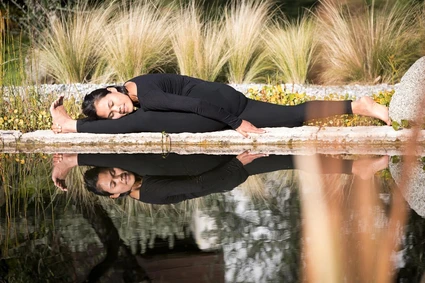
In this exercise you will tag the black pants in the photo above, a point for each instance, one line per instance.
(263, 114)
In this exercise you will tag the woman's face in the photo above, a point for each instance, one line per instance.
(114, 105)
(115, 181)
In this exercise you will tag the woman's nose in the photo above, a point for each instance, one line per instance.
(117, 178)
(116, 109)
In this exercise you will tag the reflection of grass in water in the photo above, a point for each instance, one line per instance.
(25, 187)
(77, 193)
(255, 187)
(139, 224)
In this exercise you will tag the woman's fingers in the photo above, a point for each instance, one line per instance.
(246, 127)
(56, 128)
(247, 157)
(243, 133)
(254, 129)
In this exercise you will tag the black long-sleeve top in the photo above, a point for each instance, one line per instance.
(176, 103)
(166, 189)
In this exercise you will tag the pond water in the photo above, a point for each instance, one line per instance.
(212, 218)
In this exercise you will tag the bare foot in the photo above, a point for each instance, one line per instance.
(62, 164)
(366, 106)
(366, 168)
(61, 121)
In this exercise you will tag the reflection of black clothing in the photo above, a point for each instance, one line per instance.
(175, 104)
(179, 177)
(144, 164)
(166, 189)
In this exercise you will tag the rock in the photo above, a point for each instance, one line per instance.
(409, 93)
(415, 190)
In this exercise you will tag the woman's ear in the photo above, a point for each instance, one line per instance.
(114, 196)
(111, 89)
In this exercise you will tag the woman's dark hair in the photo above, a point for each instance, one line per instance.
(88, 106)
(91, 177)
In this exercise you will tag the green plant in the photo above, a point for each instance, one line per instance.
(293, 48)
(199, 47)
(368, 44)
(69, 46)
(245, 21)
(136, 41)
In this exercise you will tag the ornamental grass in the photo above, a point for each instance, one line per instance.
(198, 46)
(292, 48)
(136, 40)
(245, 22)
(70, 45)
(368, 44)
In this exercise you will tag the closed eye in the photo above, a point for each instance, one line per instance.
(110, 105)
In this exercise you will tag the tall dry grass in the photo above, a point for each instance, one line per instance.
(292, 48)
(366, 44)
(2, 50)
(199, 47)
(69, 47)
(136, 41)
(245, 21)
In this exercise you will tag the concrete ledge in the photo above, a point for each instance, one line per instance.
(368, 140)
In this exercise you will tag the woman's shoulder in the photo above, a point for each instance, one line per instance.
(156, 76)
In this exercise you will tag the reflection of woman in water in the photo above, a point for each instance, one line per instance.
(153, 179)
(175, 104)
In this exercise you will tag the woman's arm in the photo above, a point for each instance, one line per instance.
(151, 121)
(157, 100)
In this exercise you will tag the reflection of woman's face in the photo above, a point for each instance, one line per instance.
(114, 105)
(115, 181)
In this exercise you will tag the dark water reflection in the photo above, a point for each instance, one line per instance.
(223, 232)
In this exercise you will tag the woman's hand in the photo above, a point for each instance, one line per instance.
(247, 157)
(61, 121)
(246, 127)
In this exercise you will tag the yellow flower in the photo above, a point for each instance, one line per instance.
(15, 111)
(22, 161)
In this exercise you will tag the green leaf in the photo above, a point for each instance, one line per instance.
(396, 126)
(405, 123)
(395, 159)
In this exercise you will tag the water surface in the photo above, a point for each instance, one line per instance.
(278, 225)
